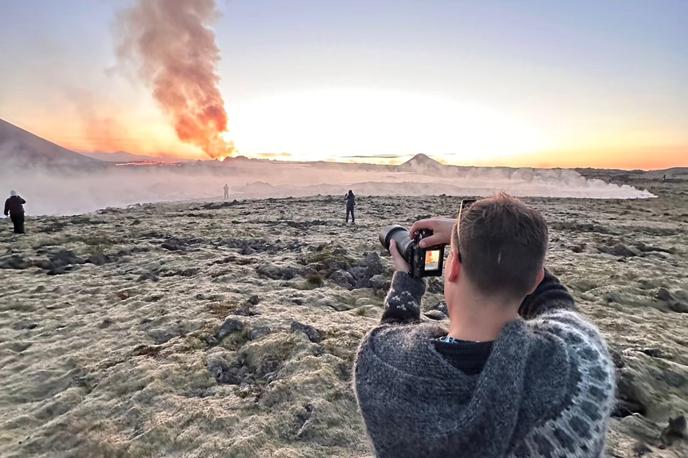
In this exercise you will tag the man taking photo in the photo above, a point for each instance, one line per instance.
(518, 373)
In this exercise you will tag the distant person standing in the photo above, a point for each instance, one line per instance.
(226, 188)
(350, 204)
(14, 207)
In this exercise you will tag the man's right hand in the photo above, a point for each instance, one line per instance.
(441, 230)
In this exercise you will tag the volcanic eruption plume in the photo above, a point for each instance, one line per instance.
(174, 48)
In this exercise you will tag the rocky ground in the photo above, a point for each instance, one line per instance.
(229, 329)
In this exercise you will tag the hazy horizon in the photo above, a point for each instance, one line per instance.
(389, 159)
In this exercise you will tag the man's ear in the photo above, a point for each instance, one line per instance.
(453, 267)
(538, 280)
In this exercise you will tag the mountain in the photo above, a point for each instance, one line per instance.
(121, 157)
(421, 163)
(20, 149)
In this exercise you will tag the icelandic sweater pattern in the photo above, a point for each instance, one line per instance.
(546, 390)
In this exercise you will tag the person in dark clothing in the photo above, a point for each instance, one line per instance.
(350, 204)
(14, 207)
(518, 373)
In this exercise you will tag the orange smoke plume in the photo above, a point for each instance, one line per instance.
(174, 49)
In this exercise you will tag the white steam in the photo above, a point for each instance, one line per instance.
(57, 194)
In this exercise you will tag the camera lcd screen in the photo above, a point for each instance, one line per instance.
(432, 260)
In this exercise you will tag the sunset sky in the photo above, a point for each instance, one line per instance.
(529, 83)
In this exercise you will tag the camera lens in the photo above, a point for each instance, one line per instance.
(401, 236)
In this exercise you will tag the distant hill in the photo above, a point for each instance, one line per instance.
(123, 156)
(119, 156)
(673, 173)
(678, 173)
(20, 149)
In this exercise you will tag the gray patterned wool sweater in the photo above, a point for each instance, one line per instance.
(547, 388)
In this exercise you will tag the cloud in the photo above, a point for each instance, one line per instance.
(173, 47)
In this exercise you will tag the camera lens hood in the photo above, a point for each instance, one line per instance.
(386, 234)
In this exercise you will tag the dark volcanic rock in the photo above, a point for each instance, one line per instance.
(679, 307)
(64, 257)
(259, 332)
(361, 276)
(617, 359)
(641, 449)
(442, 307)
(224, 372)
(624, 408)
(373, 263)
(19, 325)
(312, 333)
(276, 273)
(629, 393)
(59, 261)
(648, 248)
(174, 244)
(370, 266)
(246, 310)
(189, 272)
(219, 205)
(14, 261)
(380, 282)
(229, 326)
(579, 248)
(305, 225)
(328, 258)
(435, 315)
(148, 276)
(654, 352)
(676, 429)
(100, 259)
(671, 300)
(620, 250)
(343, 279)
(435, 285)
(106, 323)
(254, 245)
(161, 335)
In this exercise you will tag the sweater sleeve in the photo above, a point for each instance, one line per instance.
(549, 295)
(402, 304)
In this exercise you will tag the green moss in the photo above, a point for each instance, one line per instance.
(328, 258)
(315, 280)
(361, 311)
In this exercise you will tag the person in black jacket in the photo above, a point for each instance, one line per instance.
(14, 207)
(350, 204)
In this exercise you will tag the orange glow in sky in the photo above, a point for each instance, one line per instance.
(388, 126)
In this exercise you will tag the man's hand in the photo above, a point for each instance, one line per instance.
(400, 264)
(441, 230)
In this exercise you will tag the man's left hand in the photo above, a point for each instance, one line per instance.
(399, 263)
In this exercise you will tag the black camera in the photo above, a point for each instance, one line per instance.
(424, 262)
